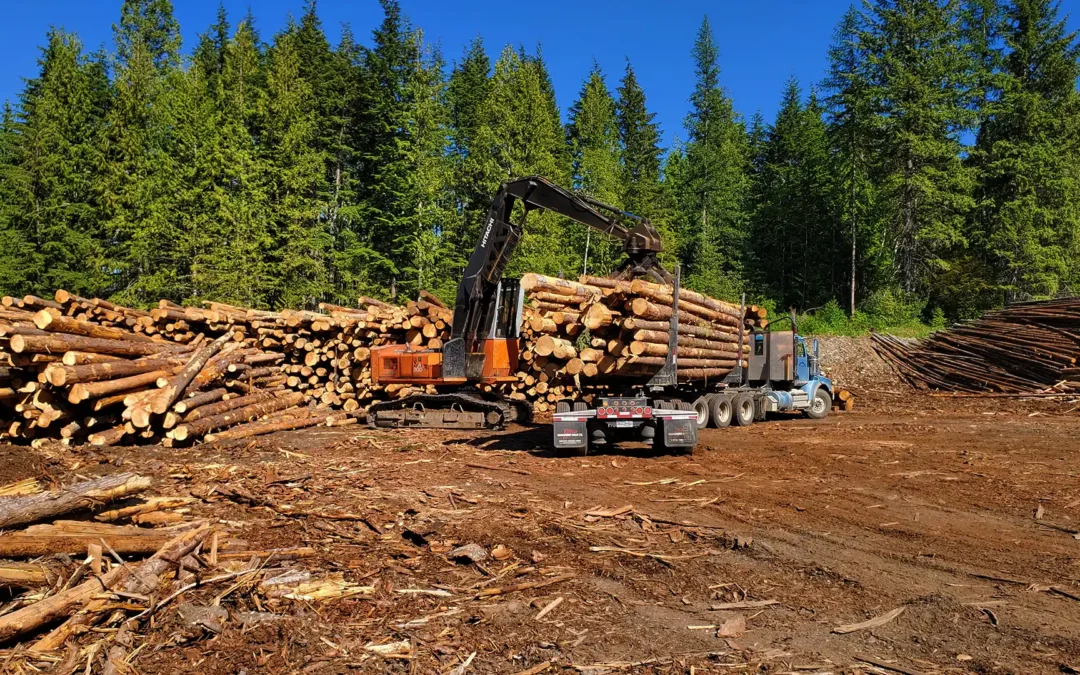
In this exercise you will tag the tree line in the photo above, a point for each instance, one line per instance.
(935, 168)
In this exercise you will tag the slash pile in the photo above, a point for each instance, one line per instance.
(89, 370)
(1026, 347)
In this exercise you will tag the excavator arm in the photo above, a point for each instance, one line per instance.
(476, 293)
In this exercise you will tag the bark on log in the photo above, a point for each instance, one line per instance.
(686, 340)
(189, 404)
(711, 332)
(83, 358)
(62, 604)
(219, 407)
(60, 376)
(169, 394)
(132, 581)
(202, 426)
(31, 508)
(83, 391)
(651, 290)
(108, 436)
(658, 361)
(61, 342)
(657, 349)
(658, 311)
(539, 282)
(53, 321)
(261, 427)
(602, 282)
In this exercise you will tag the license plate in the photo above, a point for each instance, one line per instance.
(624, 424)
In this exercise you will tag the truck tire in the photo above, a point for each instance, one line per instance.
(719, 411)
(701, 408)
(819, 405)
(743, 410)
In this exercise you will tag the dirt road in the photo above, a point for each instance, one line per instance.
(916, 504)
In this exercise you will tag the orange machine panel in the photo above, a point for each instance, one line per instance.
(500, 359)
(401, 364)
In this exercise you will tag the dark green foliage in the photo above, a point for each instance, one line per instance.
(711, 183)
(1028, 218)
(938, 173)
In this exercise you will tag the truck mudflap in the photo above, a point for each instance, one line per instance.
(679, 428)
(571, 429)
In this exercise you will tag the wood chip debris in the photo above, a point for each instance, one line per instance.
(871, 623)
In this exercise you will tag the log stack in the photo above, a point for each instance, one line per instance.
(1024, 348)
(90, 370)
(580, 337)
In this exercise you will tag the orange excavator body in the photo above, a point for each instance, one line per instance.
(403, 364)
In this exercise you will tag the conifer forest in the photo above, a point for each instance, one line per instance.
(933, 171)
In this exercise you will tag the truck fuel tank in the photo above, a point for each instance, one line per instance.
(776, 401)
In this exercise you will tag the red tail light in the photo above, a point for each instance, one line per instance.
(648, 411)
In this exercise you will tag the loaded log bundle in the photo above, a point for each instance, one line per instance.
(86, 370)
(1024, 348)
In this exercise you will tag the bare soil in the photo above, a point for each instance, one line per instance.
(921, 503)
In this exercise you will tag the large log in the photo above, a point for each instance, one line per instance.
(539, 282)
(266, 427)
(658, 361)
(597, 316)
(561, 349)
(661, 349)
(725, 333)
(682, 373)
(60, 375)
(31, 508)
(142, 581)
(686, 340)
(60, 342)
(85, 390)
(202, 426)
(659, 308)
(62, 604)
(73, 536)
(171, 392)
(199, 400)
(219, 407)
(656, 291)
(51, 320)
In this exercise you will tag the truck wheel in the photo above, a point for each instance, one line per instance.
(701, 407)
(719, 411)
(743, 410)
(819, 407)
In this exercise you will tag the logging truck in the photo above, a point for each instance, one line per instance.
(781, 373)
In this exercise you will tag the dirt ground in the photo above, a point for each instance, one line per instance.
(916, 503)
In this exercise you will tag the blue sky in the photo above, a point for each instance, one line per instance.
(762, 42)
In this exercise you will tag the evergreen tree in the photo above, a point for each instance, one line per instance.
(55, 208)
(467, 92)
(639, 135)
(593, 136)
(1029, 216)
(302, 245)
(520, 135)
(17, 255)
(919, 81)
(791, 233)
(849, 112)
(712, 186)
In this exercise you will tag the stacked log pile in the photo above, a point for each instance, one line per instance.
(580, 336)
(1023, 348)
(89, 370)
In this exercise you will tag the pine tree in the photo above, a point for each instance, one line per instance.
(136, 186)
(1027, 155)
(521, 135)
(55, 207)
(639, 135)
(593, 136)
(712, 188)
(295, 165)
(791, 230)
(919, 82)
(849, 111)
(17, 255)
(467, 92)
(231, 250)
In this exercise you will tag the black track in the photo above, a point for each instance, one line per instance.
(508, 411)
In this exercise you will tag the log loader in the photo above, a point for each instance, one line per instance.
(484, 340)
